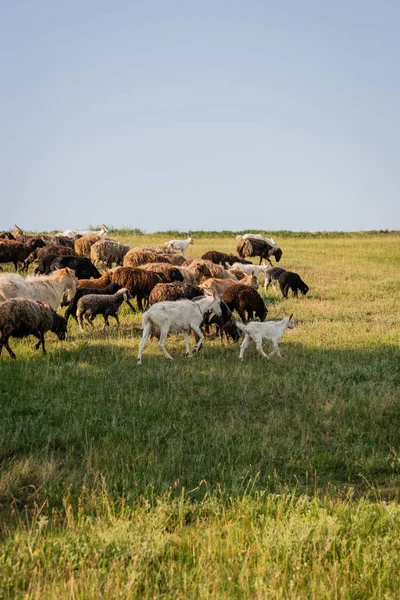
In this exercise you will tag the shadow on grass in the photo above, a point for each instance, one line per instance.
(87, 413)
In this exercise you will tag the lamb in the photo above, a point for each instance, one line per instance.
(83, 245)
(243, 298)
(96, 284)
(181, 245)
(289, 280)
(138, 281)
(174, 291)
(108, 252)
(80, 292)
(83, 267)
(219, 286)
(71, 233)
(17, 252)
(271, 276)
(181, 315)
(256, 245)
(47, 289)
(90, 306)
(170, 272)
(271, 331)
(20, 317)
(221, 258)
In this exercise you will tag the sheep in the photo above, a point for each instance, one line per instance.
(220, 285)
(47, 288)
(83, 267)
(71, 233)
(188, 276)
(108, 252)
(271, 276)
(255, 245)
(243, 298)
(17, 252)
(140, 256)
(91, 305)
(181, 245)
(80, 292)
(138, 281)
(170, 272)
(221, 258)
(271, 331)
(41, 253)
(96, 284)
(289, 280)
(83, 245)
(181, 315)
(225, 324)
(174, 291)
(206, 268)
(20, 317)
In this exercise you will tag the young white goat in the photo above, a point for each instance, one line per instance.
(180, 315)
(249, 269)
(73, 232)
(180, 245)
(271, 331)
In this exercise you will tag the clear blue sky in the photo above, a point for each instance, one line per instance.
(200, 115)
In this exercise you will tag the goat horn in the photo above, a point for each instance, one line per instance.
(291, 317)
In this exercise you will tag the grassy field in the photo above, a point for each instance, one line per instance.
(207, 477)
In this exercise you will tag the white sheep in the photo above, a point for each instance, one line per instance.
(180, 315)
(181, 245)
(73, 232)
(271, 331)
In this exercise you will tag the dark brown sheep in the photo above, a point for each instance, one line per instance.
(220, 258)
(170, 272)
(140, 256)
(245, 299)
(97, 284)
(138, 281)
(20, 317)
(56, 250)
(174, 291)
(18, 252)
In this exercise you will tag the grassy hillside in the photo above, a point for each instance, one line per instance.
(206, 477)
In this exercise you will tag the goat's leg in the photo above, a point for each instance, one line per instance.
(258, 341)
(244, 345)
(275, 350)
(199, 335)
(145, 337)
(187, 342)
(161, 343)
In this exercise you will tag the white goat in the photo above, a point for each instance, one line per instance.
(180, 315)
(249, 269)
(271, 331)
(179, 245)
(73, 232)
(47, 288)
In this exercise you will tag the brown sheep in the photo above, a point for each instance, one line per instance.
(206, 268)
(83, 244)
(140, 256)
(138, 281)
(188, 276)
(97, 284)
(17, 252)
(174, 291)
(219, 286)
(243, 298)
(45, 251)
(220, 258)
(170, 272)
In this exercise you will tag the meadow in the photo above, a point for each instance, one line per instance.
(207, 477)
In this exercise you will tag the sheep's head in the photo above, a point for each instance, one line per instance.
(278, 254)
(304, 288)
(59, 326)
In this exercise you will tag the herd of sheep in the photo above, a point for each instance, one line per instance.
(176, 294)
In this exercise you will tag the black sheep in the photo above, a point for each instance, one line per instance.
(72, 305)
(83, 267)
(292, 281)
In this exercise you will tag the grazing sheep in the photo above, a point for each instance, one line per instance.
(141, 256)
(91, 305)
(41, 253)
(18, 252)
(188, 276)
(83, 267)
(47, 288)
(219, 286)
(108, 252)
(174, 291)
(271, 331)
(80, 292)
(170, 272)
(83, 245)
(206, 268)
(243, 298)
(225, 324)
(292, 281)
(181, 315)
(138, 281)
(96, 284)
(271, 276)
(71, 233)
(20, 317)
(220, 258)
(255, 245)
(181, 245)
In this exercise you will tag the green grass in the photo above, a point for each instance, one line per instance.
(205, 477)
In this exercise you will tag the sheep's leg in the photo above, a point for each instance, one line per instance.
(295, 292)
(4, 342)
(244, 345)
(42, 341)
(242, 315)
(106, 323)
(161, 343)
(187, 341)
(198, 333)
(116, 318)
(145, 337)
(89, 319)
